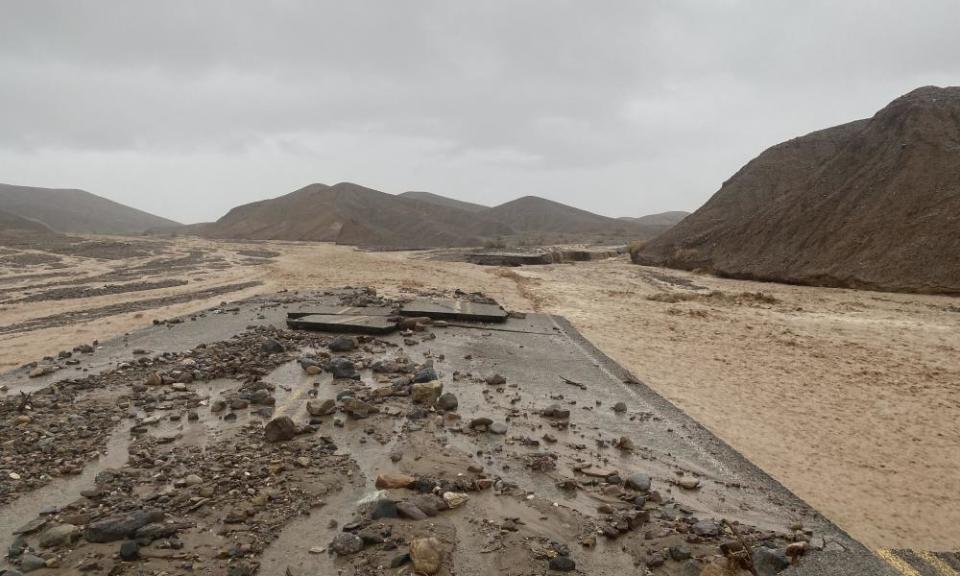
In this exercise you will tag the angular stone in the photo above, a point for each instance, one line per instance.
(427, 555)
(280, 429)
(391, 481)
(321, 407)
(120, 526)
(426, 392)
(59, 535)
(343, 344)
(346, 544)
(447, 402)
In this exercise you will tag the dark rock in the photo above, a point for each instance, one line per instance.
(706, 528)
(555, 411)
(620, 407)
(271, 346)
(384, 508)
(29, 563)
(129, 551)
(280, 429)
(399, 560)
(425, 374)
(411, 511)
(120, 526)
(495, 380)
(481, 422)
(680, 553)
(769, 562)
(343, 344)
(157, 530)
(346, 544)
(448, 402)
(343, 368)
(562, 564)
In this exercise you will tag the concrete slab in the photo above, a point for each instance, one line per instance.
(311, 309)
(343, 323)
(451, 309)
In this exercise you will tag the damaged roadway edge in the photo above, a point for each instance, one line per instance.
(519, 470)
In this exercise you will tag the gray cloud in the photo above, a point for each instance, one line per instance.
(187, 108)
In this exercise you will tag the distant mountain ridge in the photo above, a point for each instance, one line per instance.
(351, 214)
(444, 201)
(872, 204)
(76, 211)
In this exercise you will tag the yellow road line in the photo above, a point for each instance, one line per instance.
(941, 567)
(898, 563)
(293, 399)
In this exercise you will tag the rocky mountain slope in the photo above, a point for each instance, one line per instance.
(871, 204)
(76, 211)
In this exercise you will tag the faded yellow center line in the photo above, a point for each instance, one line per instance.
(294, 398)
(898, 563)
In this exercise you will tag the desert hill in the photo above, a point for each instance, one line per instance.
(870, 204)
(11, 224)
(668, 219)
(76, 211)
(351, 214)
(444, 201)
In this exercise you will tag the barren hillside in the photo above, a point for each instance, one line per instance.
(76, 211)
(871, 204)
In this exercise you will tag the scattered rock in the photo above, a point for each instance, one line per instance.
(343, 344)
(426, 392)
(344, 368)
(706, 528)
(280, 429)
(271, 346)
(346, 544)
(620, 407)
(495, 380)
(448, 402)
(427, 555)
(455, 499)
(130, 551)
(562, 564)
(638, 481)
(321, 407)
(120, 526)
(391, 481)
(60, 535)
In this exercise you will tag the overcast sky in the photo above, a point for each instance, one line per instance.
(187, 108)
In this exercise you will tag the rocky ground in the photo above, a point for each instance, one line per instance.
(278, 451)
(801, 380)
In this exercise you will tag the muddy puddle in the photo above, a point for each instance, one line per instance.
(61, 491)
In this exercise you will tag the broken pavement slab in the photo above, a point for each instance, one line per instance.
(455, 309)
(342, 323)
(534, 354)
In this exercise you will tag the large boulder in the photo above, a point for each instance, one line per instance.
(120, 526)
(280, 429)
